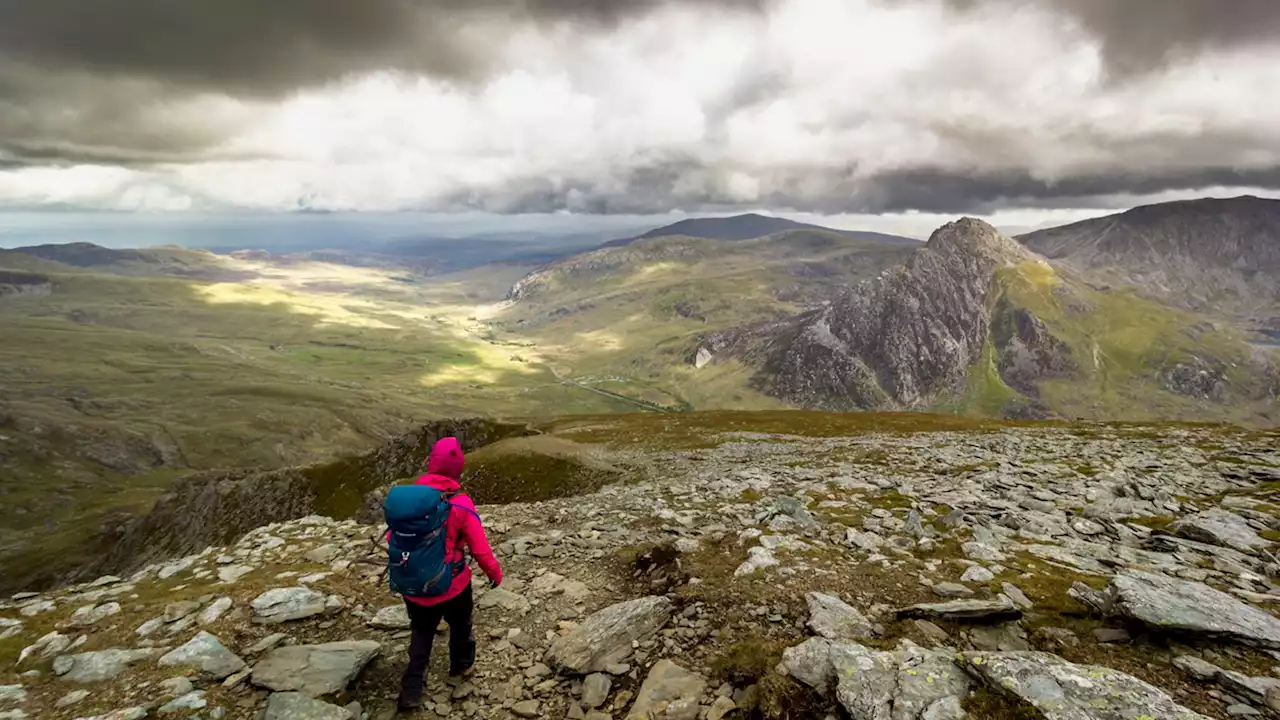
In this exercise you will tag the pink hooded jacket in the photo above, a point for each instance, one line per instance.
(463, 530)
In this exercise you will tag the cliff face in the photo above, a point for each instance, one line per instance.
(902, 339)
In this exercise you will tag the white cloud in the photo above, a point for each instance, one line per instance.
(813, 101)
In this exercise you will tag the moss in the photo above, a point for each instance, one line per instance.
(1158, 522)
(751, 662)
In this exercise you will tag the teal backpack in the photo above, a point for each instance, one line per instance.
(416, 518)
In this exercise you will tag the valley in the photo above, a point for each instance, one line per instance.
(127, 369)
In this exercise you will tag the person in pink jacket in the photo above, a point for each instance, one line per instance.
(463, 533)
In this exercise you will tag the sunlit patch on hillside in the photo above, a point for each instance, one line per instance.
(336, 310)
(484, 365)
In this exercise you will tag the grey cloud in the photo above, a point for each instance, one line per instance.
(684, 184)
(1139, 36)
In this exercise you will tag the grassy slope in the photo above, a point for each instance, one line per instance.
(633, 327)
(112, 376)
(1120, 341)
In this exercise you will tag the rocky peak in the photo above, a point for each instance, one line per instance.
(900, 340)
(973, 237)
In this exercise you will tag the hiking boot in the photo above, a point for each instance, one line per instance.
(457, 677)
(408, 704)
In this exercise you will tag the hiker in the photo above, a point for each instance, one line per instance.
(431, 526)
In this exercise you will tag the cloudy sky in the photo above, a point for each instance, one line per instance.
(1033, 110)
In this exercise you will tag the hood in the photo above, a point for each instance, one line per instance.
(446, 458)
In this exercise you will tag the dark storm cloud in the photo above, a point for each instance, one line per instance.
(78, 79)
(251, 46)
(1143, 35)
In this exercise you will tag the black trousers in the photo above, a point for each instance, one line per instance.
(423, 622)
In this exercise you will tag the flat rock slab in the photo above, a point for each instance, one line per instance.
(605, 638)
(505, 600)
(834, 619)
(1168, 604)
(1000, 608)
(296, 706)
(1061, 690)
(206, 652)
(1219, 527)
(314, 670)
(284, 604)
(669, 691)
(102, 665)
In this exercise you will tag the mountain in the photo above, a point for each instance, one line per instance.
(750, 227)
(976, 322)
(626, 318)
(1220, 256)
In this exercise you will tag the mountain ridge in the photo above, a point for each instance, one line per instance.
(750, 226)
(975, 321)
(1210, 255)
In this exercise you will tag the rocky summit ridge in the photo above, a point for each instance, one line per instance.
(1088, 572)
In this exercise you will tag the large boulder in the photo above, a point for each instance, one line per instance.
(669, 692)
(833, 619)
(296, 706)
(206, 652)
(99, 665)
(1060, 690)
(606, 637)
(314, 670)
(1219, 527)
(1165, 603)
(284, 604)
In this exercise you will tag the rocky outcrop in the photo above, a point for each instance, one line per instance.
(1029, 352)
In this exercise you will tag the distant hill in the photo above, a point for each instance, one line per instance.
(1220, 256)
(749, 227)
(164, 260)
